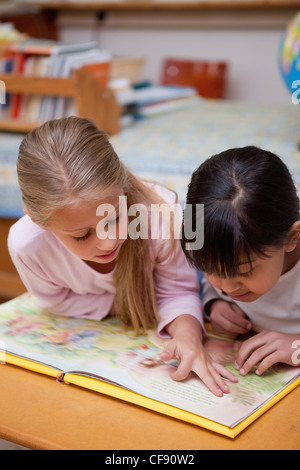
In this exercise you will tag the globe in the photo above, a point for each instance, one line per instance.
(289, 54)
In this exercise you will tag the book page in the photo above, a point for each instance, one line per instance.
(110, 351)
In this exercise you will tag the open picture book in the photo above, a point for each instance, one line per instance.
(109, 358)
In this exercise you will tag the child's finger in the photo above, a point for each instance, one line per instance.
(253, 356)
(238, 319)
(233, 326)
(268, 362)
(212, 379)
(183, 369)
(169, 352)
(231, 319)
(248, 347)
(214, 383)
(209, 377)
(165, 356)
(224, 372)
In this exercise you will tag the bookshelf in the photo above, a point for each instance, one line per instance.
(160, 4)
(171, 13)
(92, 100)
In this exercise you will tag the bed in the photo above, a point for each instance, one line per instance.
(167, 148)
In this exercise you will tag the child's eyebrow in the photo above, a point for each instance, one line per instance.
(117, 208)
(77, 230)
(250, 261)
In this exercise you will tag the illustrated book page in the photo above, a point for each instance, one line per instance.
(107, 357)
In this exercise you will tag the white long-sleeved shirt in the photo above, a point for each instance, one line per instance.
(66, 285)
(277, 310)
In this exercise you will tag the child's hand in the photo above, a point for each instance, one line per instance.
(265, 349)
(227, 319)
(187, 347)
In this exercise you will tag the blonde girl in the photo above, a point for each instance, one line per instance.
(74, 187)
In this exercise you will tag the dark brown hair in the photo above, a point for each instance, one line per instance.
(250, 203)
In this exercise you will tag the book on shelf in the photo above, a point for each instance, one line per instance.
(16, 99)
(109, 358)
(8, 35)
(49, 46)
(51, 59)
(6, 67)
(62, 66)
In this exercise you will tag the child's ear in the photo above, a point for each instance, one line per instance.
(293, 237)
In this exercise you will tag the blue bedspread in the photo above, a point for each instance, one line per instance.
(167, 148)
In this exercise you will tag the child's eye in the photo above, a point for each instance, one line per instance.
(82, 239)
(248, 273)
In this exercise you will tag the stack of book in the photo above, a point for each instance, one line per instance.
(150, 100)
(53, 59)
(8, 34)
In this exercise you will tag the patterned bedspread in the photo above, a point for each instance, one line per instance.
(167, 148)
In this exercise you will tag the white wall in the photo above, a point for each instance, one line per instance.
(251, 53)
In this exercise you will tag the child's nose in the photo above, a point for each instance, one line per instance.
(108, 244)
(229, 285)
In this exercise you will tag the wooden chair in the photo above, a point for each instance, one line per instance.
(208, 77)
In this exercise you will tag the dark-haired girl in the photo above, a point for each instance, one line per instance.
(251, 253)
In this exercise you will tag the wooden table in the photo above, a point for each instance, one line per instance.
(39, 413)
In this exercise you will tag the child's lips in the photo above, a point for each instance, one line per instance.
(107, 255)
(239, 296)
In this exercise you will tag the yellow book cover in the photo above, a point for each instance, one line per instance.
(109, 358)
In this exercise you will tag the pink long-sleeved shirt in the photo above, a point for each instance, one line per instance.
(66, 285)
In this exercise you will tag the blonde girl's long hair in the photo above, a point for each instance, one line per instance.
(69, 160)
